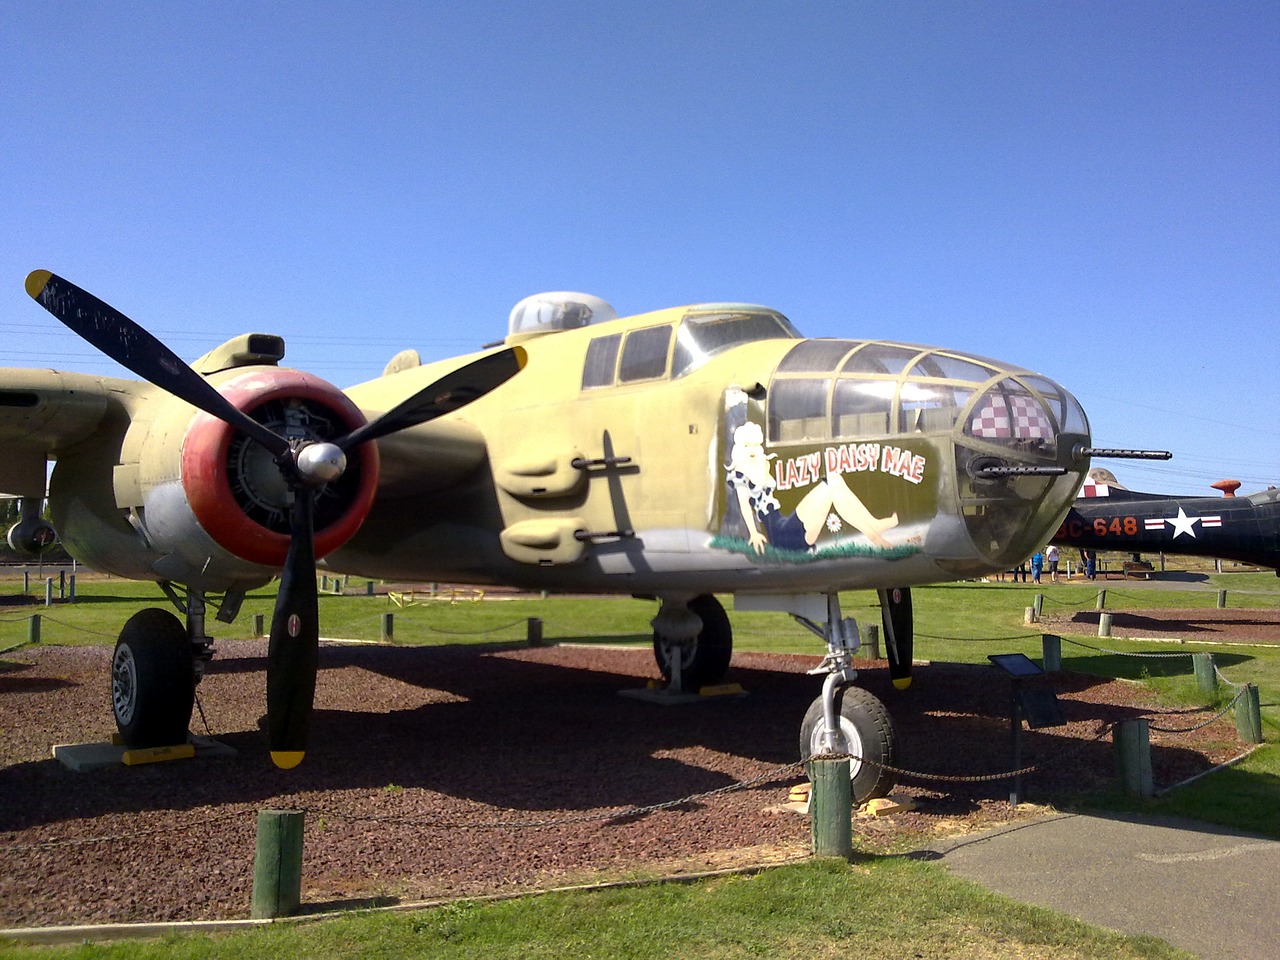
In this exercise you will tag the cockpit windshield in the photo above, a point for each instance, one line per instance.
(705, 332)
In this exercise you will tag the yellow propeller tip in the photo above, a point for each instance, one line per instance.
(522, 357)
(902, 683)
(287, 759)
(36, 280)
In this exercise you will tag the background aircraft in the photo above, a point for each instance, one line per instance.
(674, 455)
(1107, 516)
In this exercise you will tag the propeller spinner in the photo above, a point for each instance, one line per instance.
(305, 466)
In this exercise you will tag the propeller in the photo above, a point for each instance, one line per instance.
(306, 466)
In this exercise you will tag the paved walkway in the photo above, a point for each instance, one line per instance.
(1210, 890)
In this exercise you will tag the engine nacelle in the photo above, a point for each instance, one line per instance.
(196, 501)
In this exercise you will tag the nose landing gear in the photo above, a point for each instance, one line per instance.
(845, 718)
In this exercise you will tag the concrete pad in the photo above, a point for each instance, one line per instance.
(86, 757)
(1204, 888)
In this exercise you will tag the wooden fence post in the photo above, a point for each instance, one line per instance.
(871, 640)
(535, 631)
(831, 808)
(1051, 650)
(1249, 715)
(277, 864)
(1132, 740)
(1206, 675)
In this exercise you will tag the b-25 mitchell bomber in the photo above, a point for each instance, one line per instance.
(674, 455)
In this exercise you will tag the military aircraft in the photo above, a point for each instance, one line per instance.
(673, 455)
(1108, 516)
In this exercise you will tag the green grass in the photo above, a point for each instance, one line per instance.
(889, 908)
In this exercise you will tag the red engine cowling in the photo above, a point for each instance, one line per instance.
(234, 488)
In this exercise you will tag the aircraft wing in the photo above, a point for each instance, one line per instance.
(43, 412)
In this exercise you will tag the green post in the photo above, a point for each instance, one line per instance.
(1206, 675)
(33, 629)
(368, 588)
(48, 591)
(277, 864)
(259, 624)
(388, 627)
(1039, 605)
(1102, 600)
(1133, 757)
(831, 808)
(1249, 715)
(1222, 599)
(71, 589)
(1051, 647)
(535, 631)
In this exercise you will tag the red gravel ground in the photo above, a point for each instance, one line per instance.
(465, 770)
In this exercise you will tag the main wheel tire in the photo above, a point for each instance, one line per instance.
(868, 735)
(153, 680)
(707, 660)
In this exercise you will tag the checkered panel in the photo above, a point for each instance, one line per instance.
(1018, 417)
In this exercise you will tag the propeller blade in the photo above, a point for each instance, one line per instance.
(452, 391)
(899, 637)
(125, 342)
(293, 655)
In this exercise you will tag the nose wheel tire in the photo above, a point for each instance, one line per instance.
(153, 680)
(707, 660)
(868, 735)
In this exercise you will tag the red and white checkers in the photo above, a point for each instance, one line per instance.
(1017, 417)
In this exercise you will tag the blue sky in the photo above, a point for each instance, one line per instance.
(1091, 190)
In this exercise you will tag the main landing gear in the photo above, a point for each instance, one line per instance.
(845, 718)
(154, 671)
(692, 643)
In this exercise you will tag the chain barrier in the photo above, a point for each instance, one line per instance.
(1200, 726)
(477, 633)
(1015, 636)
(1125, 653)
(117, 838)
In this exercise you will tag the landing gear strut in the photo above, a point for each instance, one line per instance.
(845, 718)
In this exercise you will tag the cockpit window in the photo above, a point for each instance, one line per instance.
(848, 389)
(881, 358)
(602, 360)
(701, 335)
(644, 354)
(814, 356)
(1009, 413)
(1066, 409)
(926, 407)
(951, 368)
(798, 410)
(861, 407)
